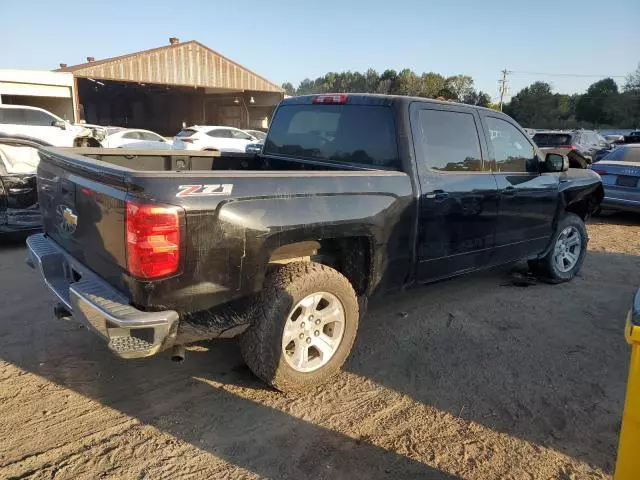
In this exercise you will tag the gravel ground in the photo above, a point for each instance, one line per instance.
(477, 378)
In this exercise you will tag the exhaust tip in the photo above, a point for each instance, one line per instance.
(178, 353)
(61, 312)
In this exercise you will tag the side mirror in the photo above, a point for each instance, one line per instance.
(60, 124)
(555, 162)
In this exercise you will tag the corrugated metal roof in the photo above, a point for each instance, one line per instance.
(185, 64)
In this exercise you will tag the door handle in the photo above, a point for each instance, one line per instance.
(508, 191)
(437, 195)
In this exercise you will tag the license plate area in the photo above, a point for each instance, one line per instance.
(626, 181)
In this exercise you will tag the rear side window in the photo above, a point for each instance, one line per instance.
(450, 141)
(187, 132)
(552, 139)
(363, 134)
(13, 116)
(150, 137)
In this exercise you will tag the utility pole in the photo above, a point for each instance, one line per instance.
(503, 86)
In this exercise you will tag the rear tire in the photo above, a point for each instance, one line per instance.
(304, 327)
(565, 258)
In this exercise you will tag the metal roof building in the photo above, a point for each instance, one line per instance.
(166, 87)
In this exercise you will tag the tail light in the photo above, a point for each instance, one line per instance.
(570, 147)
(599, 171)
(154, 237)
(330, 99)
(187, 139)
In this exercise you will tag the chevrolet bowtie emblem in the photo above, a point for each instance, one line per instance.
(70, 217)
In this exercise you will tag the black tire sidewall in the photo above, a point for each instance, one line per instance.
(286, 287)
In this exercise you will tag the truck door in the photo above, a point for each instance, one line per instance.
(458, 199)
(528, 199)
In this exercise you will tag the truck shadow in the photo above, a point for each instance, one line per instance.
(546, 364)
(189, 401)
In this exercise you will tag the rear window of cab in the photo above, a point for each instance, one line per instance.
(361, 134)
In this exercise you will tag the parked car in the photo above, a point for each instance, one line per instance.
(352, 196)
(620, 173)
(135, 139)
(38, 123)
(587, 143)
(19, 211)
(203, 137)
(254, 148)
(257, 134)
(633, 137)
(614, 139)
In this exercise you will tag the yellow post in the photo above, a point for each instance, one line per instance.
(628, 462)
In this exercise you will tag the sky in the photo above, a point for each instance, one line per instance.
(287, 40)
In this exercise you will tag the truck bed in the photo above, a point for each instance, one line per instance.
(237, 209)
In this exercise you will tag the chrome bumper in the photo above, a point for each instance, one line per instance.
(131, 333)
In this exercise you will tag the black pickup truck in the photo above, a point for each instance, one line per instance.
(352, 195)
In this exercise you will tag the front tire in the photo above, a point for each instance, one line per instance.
(304, 327)
(565, 258)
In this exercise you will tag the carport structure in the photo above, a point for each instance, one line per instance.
(164, 88)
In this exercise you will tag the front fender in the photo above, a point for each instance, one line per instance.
(577, 185)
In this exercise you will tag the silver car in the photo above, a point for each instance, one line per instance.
(620, 172)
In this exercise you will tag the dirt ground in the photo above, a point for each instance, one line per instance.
(473, 378)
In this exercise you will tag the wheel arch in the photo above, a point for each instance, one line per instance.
(350, 255)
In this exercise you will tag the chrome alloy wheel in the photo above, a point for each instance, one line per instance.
(567, 249)
(313, 331)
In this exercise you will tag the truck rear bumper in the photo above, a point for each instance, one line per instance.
(130, 333)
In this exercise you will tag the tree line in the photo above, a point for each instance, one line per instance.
(457, 88)
(603, 105)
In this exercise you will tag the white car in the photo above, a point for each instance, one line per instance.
(38, 123)
(134, 138)
(206, 137)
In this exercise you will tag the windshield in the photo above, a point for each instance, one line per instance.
(552, 139)
(362, 134)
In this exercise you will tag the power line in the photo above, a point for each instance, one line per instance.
(520, 72)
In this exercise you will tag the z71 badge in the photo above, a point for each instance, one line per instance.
(205, 190)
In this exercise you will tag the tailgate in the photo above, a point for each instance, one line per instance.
(83, 210)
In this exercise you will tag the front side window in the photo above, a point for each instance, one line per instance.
(512, 151)
(239, 135)
(37, 118)
(219, 133)
(131, 136)
(450, 141)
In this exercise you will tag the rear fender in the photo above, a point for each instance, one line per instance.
(268, 224)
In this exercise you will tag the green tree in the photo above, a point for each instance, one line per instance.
(630, 100)
(458, 86)
(532, 106)
(600, 105)
(430, 84)
(288, 88)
